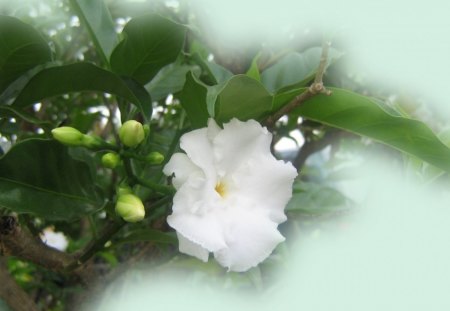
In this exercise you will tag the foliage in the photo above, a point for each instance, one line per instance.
(158, 70)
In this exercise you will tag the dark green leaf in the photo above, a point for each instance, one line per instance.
(361, 115)
(193, 100)
(169, 80)
(150, 235)
(8, 111)
(39, 177)
(151, 42)
(295, 69)
(82, 77)
(95, 16)
(21, 48)
(244, 98)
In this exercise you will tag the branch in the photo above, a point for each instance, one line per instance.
(20, 243)
(17, 242)
(316, 88)
(12, 293)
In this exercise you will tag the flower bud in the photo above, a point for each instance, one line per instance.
(131, 133)
(130, 208)
(72, 137)
(110, 160)
(154, 158)
(68, 136)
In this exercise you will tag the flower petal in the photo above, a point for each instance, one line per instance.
(205, 230)
(239, 141)
(266, 182)
(213, 129)
(251, 238)
(199, 149)
(182, 166)
(196, 215)
(190, 248)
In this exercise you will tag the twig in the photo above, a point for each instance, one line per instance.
(20, 243)
(17, 242)
(315, 88)
(95, 245)
(12, 293)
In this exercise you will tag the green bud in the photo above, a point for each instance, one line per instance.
(131, 133)
(130, 208)
(68, 136)
(154, 158)
(110, 160)
(72, 137)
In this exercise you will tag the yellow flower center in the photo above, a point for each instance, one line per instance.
(220, 189)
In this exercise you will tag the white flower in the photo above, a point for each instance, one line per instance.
(231, 194)
(54, 239)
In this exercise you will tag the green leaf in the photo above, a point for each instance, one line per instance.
(96, 18)
(295, 69)
(193, 100)
(7, 111)
(151, 42)
(314, 198)
(214, 73)
(82, 77)
(39, 177)
(150, 235)
(253, 71)
(221, 74)
(169, 80)
(244, 98)
(361, 115)
(21, 49)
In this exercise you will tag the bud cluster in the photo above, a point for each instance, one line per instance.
(131, 134)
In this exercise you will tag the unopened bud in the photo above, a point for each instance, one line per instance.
(154, 158)
(131, 133)
(110, 160)
(72, 137)
(130, 208)
(68, 136)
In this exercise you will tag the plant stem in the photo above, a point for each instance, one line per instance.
(155, 186)
(94, 246)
